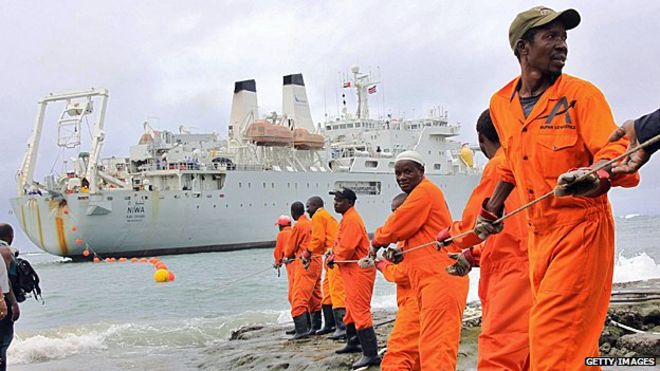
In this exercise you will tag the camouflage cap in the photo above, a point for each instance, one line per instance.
(539, 16)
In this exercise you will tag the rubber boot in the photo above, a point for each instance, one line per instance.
(329, 319)
(316, 322)
(340, 327)
(353, 343)
(369, 344)
(302, 326)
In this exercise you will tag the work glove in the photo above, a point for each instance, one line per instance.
(366, 262)
(330, 260)
(393, 254)
(306, 258)
(576, 183)
(442, 238)
(464, 263)
(485, 225)
(373, 251)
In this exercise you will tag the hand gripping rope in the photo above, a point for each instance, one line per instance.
(543, 197)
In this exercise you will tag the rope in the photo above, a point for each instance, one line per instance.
(230, 284)
(543, 197)
(621, 325)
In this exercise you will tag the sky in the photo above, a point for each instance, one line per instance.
(175, 63)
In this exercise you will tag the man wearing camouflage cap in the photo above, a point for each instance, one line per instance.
(554, 127)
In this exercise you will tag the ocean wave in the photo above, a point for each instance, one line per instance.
(637, 268)
(193, 332)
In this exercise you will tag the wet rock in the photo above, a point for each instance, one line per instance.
(640, 344)
(242, 333)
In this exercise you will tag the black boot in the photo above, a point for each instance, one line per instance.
(329, 319)
(290, 332)
(353, 343)
(316, 322)
(369, 344)
(340, 327)
(302, 326)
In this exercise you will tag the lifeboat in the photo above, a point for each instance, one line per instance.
(264, 133)
(303, 139)
(467, 155)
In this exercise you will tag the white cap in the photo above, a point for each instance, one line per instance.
(413, 156)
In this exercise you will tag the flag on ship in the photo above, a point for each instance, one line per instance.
(372, 89)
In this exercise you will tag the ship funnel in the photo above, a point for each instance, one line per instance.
(295, 105)
(243, 108)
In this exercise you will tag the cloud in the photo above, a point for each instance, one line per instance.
(178, 61)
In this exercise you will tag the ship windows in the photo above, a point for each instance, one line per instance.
(437, 166)
(288, 185)
(272, 185)
(357, 124)
(249, 184)
(264, 184)
(127, 198)
(240, 184)
(391, 165)
(361, 187)
(371, 164)
(109, 198)
(350, 126)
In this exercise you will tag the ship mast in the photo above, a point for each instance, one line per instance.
(363, 84)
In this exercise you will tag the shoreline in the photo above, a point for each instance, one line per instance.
(267, 347)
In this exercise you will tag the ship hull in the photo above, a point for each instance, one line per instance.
(239, 216)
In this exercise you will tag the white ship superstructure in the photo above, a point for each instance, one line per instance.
(187, 192)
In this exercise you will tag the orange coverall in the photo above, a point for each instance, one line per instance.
(282, 241)
(324, 235)
(440, 296)
(571, 239)
(353, 243)
(504, 283)
(402, 344)
(306, 282)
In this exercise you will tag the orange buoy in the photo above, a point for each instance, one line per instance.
(122, 260)
(134, 260)
(161, 265)
(171, 276)
(108, 260)
(143, 260)
(96, 260)
(74, 228)
(85, 252)
(79, 241)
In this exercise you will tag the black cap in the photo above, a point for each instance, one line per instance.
(346, 193)
(295, 79)
(249, 85)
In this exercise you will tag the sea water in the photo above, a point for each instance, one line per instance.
(113, 316)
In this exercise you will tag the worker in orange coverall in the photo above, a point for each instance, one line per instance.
(402, 344)
(284, 225)
(352, 244)
(324, 235)
(504, 284)
(307, 279)
(441, 296)
(554, 129)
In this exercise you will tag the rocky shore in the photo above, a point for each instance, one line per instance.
(268, 348)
